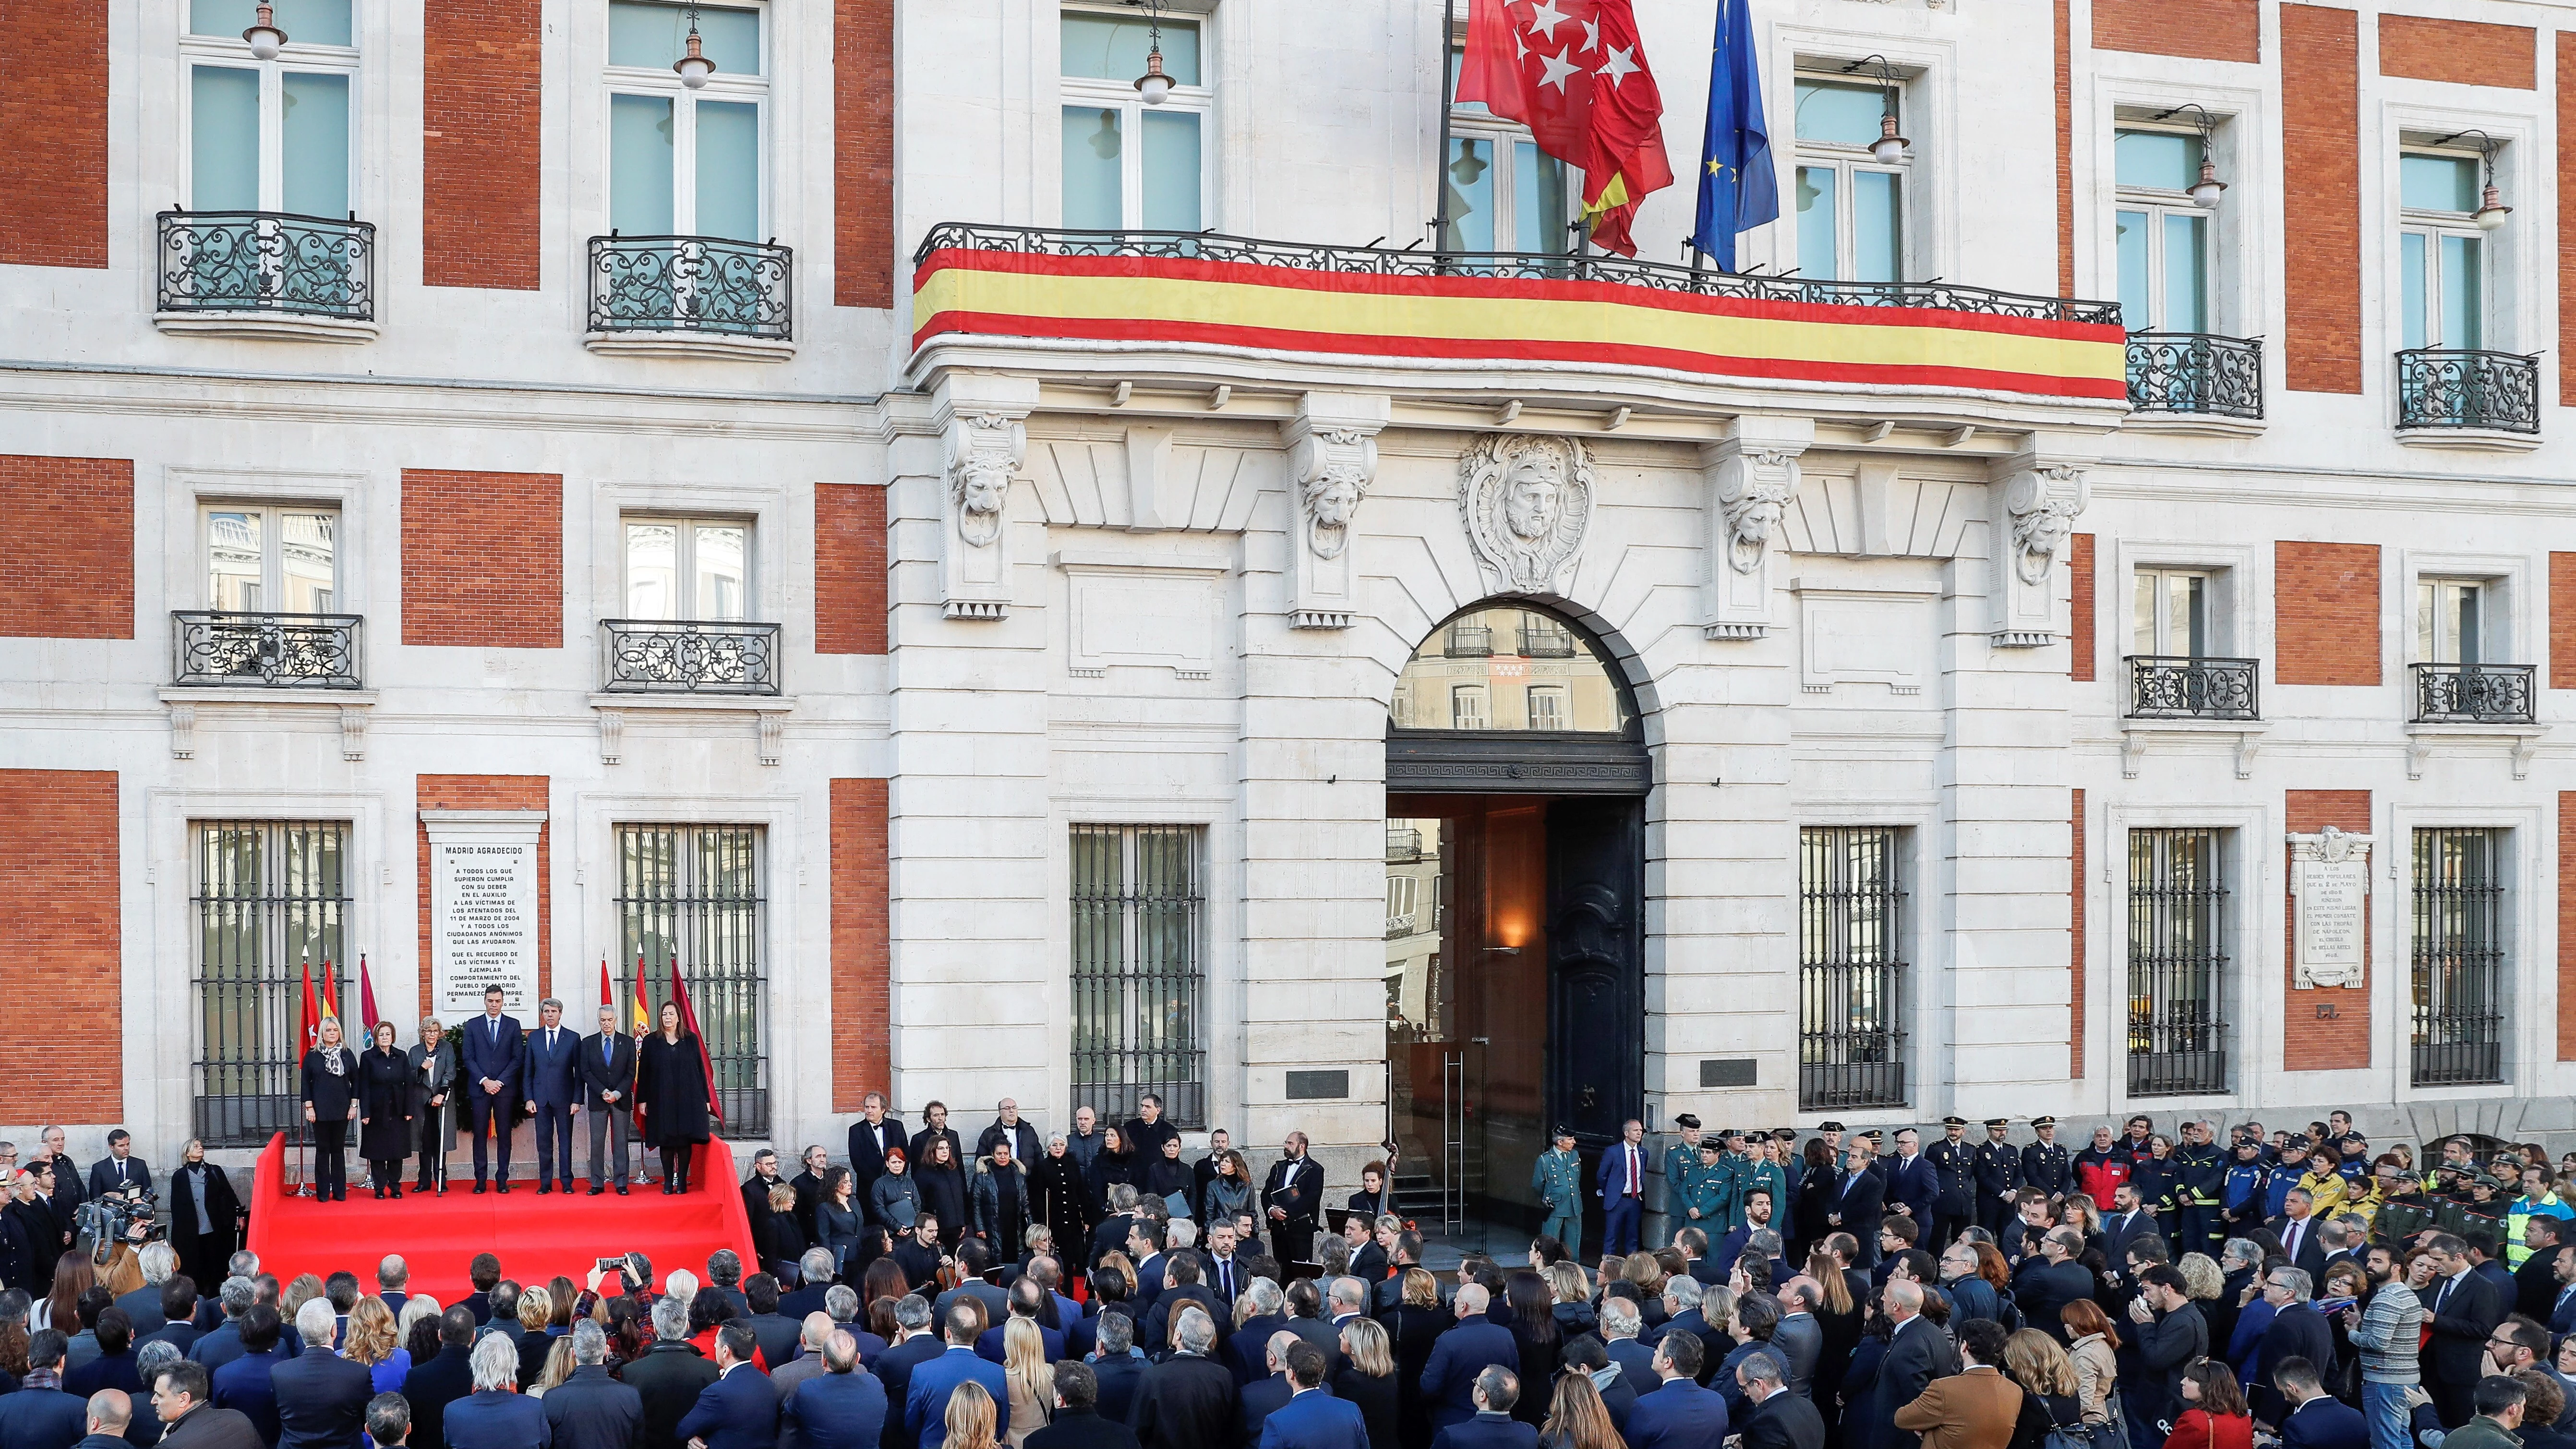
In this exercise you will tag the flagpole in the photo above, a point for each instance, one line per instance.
(1440, 166)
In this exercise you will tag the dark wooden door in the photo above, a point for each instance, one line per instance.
(1596, 946)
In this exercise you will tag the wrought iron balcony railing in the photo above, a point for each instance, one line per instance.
(1530, 266)
(687, 656)
(1546, 643)
(2473, 693)
(266, 651)
(2450, 387)
(1403, 845)
(692, 284)
(2162, 687)
(2196, 373)
(1470, 641)
(266, 261)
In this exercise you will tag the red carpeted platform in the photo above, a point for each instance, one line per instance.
(536, 1237)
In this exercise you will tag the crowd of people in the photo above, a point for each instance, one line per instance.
(1100, 1289)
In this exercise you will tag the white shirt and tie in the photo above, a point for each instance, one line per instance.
(2296, 1235)
(1630, 1186)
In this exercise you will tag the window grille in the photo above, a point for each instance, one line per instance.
(1851, 968)
(696, 896)
(2177, 963)
(270, 895)
(2458, 987)
(1139, 905)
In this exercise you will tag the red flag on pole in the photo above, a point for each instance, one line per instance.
(1575, 73)
(607, 993)
(689, 1024)
(308, 1026)
(641, 1025)
(366, 998)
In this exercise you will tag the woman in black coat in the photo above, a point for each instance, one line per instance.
(1415, 1323)
(837, 1220)
(203, 1209)
(330, 1104)
(1367, 1379)
(671, 1092)
(1110, 1166)
(1063, 1200)
(941, 1181)
(384, 1110)
(1166, 1175)
(1534, 1335)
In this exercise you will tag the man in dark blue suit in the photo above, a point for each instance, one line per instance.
(1080, 1422)
(875, 1134)
(495, 1056)
(1782, 1418)
(243, 1384)
(1472, 1345)
(740, 1409)
(321, 1397)
(2562, 1307)
(1312, 1418)
(1913, 1184)
(1855, 1204)
(925, 1405)
(1622, 1185)
(1117, 1367)
(1679, 1414)
(1496, 1390)
(42, 1416)
(2315, 1419)
(2297, 1332)
(591, 1409)
(120, 1170)
(1259, 1398)
(554, 1091)
(496, 1415)
(919, 1345)
(843, 1407)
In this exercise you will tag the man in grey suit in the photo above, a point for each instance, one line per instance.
(608, 1090)
(1798, 1335)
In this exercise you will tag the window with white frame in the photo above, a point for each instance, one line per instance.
(1547, 706)
(1851, 207)
(269, 135)
(2175, 613)
(271, 558)
(1467, 707)
(682, 161)
(2442, 260)
(688, 568)
(1504, 193)
(1128, 165)
(2455, 622)
(2163, 239)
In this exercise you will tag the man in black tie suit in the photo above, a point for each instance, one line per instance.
(2301, 1243)
(875, 1134)
(120, 1170)
(608, 1090)
(495, 1055)
(1292, 1199)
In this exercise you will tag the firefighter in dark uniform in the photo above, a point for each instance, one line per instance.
(1953, 1159)
(2199, 1192)
(1997, 1168)
(2045, 1164)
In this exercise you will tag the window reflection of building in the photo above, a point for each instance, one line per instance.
(1416, 895)
(1508, 668)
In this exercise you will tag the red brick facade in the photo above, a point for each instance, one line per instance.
(863, 153)
(482, 559)
(849, 568)
(66, 547)
(53, 171)
(2075, 945)
(2325, 619)
(2462, 52)
(2081, 641)
(2321, 179)
(2199, 29)
(2309, 1042)
(482, 139)
(862, 904)
(2562, 621)
(485, 792)
(61, 943)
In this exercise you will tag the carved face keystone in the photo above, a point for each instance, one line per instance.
(1533, 498)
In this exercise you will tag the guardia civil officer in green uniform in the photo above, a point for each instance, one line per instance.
(1692, 1194)
(1740, 1171)
(1557, 1178)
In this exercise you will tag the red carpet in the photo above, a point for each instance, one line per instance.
(536, 1237)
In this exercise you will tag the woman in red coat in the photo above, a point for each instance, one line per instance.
(2214, 1416)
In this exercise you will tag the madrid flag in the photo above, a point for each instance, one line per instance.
(1574, 72)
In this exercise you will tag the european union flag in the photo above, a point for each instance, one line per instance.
(1737, 190)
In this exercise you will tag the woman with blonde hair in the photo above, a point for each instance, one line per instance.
(1367, 1380)
(1578, 1419)
(1573, 1293)
(305, 1288)
(2033, 1360)
(536, 1310)
(375, 1340)
(1028, 1379)
(970, 1417)
(2093, 1350)
(2202, 1282)
(558, 1366)
(1116, 1261)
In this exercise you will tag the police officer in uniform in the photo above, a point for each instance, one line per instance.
(1738, 1173)
(1953, 1159)
(2202, 1175)
(2045, 1164)
(1997, 1168)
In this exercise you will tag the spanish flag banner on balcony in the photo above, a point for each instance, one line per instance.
(1920, 336)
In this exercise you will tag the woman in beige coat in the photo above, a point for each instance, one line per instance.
(1030, 1379)
(2093, 1344)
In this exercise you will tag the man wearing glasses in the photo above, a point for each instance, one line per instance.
(179, 1396)
(2297, 1330)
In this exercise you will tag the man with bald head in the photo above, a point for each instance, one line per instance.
(839, 1408)
(1917, 1353)
(107, 1414)
(1472, 1345)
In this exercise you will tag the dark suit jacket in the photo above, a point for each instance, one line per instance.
(143, 1306)
(1184, 1402)
(2312, 1252)
(893, 1369)
(321, 1401)
(1119, 1378)
(615, 1074)
(495, 1419)
(2461, 1321)
(1449, 1380)
(1919, 1353)
(669, 1377)
(1678, 1414)
(432, 1386)
(1861, 1202)
(1785, 1421)
(2325, 1422)
(1082, 1429)
(1254, 1406)
(103, 1177)
(2298, 1331)
(553, 1078)
(42, 1419)
(867, 1156)
(834, 1411)
(1490, 1431)
(738, 1411)
(208, 1427)
(1917, 1185)
(2040, 1292)
(505, 1061)
(2118, 1233)
(1314, 1420)
(592, 1410)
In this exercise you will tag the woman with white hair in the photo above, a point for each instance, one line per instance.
(330, 1092)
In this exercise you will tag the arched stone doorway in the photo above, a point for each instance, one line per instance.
(1517, 771)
